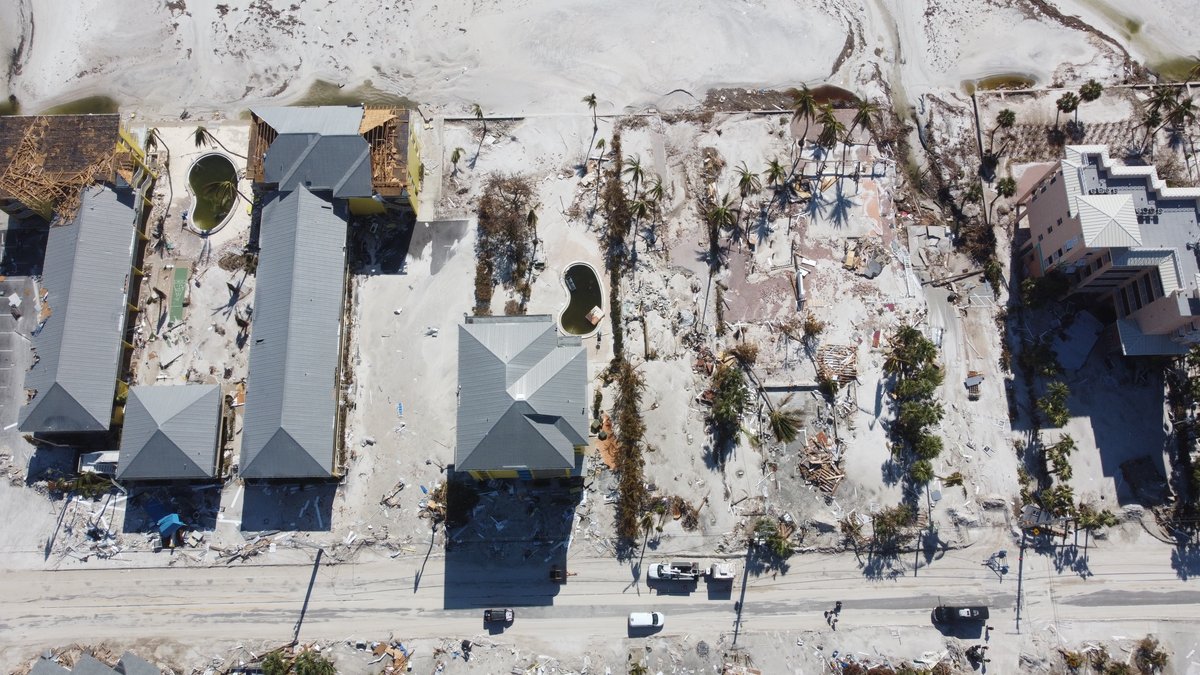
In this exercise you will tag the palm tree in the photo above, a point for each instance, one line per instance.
(785, 424)
(454, 159)
(1067, 103)
(223, 194)
(1090, 91)
(864, 116)
(653, 195)
(590, 101)
(776, 177)
(720, 215)
(748, 184)
(154, 140)
(204, 138)
(1005, 119)
(477, 113)
(639, 208)
(804, 106)
(832, 130)
(1005, 187)
(920, 472)
(633, 169)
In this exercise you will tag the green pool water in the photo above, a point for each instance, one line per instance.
(585, 294)
(94, 105)
(209, 179)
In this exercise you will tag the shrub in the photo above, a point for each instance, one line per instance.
(731, 396)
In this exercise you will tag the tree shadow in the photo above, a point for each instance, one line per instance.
(1185, 560)
(840, 207)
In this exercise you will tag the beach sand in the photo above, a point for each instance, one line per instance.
(160, 59)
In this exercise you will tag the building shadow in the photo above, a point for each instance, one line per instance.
(197, 506)
(1123, 404)
(390, 243)
(24, 247)
(504, 538)
(288, 506)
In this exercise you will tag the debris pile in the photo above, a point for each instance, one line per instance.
(837, 363)
(821, 464)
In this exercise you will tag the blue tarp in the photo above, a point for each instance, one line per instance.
(168, 525)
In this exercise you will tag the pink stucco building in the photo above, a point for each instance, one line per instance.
(1124, 238)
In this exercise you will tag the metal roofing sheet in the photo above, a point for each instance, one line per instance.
(291, 389)
(523, 391)
(170, 433)
(1108, 221)
(340, 164)
(132, 664)
(330, 120)
(44, 667)
(87, 267)
(88, 665)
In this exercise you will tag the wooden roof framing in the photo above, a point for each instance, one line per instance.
(46, 160)
(386, 132)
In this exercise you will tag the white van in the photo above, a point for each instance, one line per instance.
(646, 619)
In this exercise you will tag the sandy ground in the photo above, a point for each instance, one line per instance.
(541, 56)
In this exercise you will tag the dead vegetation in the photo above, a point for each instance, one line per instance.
(506, 242)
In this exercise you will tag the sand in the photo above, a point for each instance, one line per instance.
(517, 58)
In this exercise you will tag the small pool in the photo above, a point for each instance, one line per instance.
(213, 181)
(583, 284)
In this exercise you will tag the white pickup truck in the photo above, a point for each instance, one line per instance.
(675, 571)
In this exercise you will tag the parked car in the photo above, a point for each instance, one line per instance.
(646, 619)
(675, 571)
(948, 614)
(498, 615)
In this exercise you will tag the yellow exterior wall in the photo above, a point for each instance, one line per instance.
(415, 169)
(365, 206)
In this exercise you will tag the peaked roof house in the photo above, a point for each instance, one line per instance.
(86, 286)
(355, 153)
(292, 413)
(1123, 238)
(522, 401)
(170, 433)
(86, 664)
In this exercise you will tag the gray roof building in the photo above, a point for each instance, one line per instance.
(170, 433)
(523, 391)
(88, 665)
(319, 148)
(132, 664)
(292, 389)
(86, 286)
(46, 667)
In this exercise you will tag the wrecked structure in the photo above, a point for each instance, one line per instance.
(85, 305)
(522, 409)
(1125, 240)
(357, 153)
(45, 161)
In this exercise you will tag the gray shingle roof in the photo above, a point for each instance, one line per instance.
(132, 664)
(319, 148)
(291, 392)
(88, 665)
(44, 667)
(523, 391)
(170, 433)
(329, 120)
(86, 278)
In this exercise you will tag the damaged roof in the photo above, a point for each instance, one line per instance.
(86, 283)
(319, 148)
(523, 390)
(170, 433)
(291, 389)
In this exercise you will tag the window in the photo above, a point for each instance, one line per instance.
(1050, 230)
(1049, 262)
(1041, 236)
(1148, 286)
(1058, 253)
(1054, 179)
(1059, 221)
